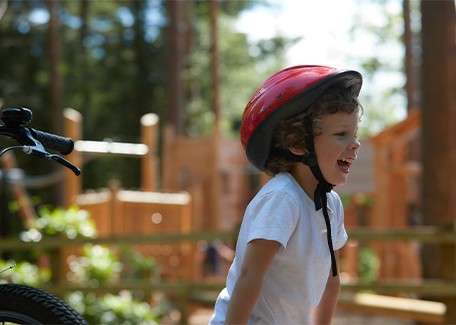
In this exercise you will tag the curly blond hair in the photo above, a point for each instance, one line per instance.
(292, 132)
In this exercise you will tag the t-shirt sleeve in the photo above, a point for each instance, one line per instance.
(341, 236)
(274, 218)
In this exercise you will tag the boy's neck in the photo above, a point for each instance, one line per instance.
(303, 175)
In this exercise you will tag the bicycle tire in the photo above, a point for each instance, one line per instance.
(22, 304)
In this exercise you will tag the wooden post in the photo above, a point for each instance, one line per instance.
(215, 185)
(149, 163)
(72, 125)
(399, 211)
(350, 251)
(438, 82)
(197, 203)
(197, 206)
(381, 206)
(117, 222)
(168, 165)
(26, 210)
(215, 101)
(57, 265)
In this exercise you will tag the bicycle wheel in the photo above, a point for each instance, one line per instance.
(21, 304)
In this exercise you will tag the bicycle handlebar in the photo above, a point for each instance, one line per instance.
(34, 141)
(53, 142)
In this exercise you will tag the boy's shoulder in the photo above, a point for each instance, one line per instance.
(335, 202)
(278, 192)
(334, 195)
(280, 184)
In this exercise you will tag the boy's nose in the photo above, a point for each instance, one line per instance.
(355, 144)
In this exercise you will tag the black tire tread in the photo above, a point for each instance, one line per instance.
(37, 304)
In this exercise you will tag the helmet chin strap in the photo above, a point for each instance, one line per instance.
(323, 187)
(321, 200)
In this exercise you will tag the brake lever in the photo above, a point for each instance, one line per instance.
(65, 163)
(44, 154)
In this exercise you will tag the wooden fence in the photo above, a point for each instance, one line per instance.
(187, 291)
(132, 214)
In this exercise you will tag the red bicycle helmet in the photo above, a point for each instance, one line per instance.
(269, 103)
(284, 95)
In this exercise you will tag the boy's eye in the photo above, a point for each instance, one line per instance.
(341, 134)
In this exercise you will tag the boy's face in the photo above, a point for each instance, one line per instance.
(337, 145)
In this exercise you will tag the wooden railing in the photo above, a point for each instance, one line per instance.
(186, 291)
(421, 234)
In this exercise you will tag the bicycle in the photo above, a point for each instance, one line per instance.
(23, 304)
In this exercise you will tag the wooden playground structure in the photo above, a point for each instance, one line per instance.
(205, 183)
(396, 200)
(188, 199)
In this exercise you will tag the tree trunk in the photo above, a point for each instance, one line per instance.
(410, 70)
(215, 63)
(215, 102)
(191, 87)
(438, 136)
(175, 63)
(55, 86)
(84, 82)
(142, 73)
(3, 7)
(54, 62)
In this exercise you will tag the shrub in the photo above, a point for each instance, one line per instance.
(112, 309)
(97, 266)
(23, 273)
(71, 223)
(368, 265)
(137, 266)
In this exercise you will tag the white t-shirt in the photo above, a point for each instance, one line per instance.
(297, 276)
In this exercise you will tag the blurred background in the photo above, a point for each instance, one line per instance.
(152, 92)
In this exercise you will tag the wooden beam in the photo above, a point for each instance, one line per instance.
(404, 308)
(422, 234)
(116, 148)
(149, 162)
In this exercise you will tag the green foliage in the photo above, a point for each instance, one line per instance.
(70, 223)
(111, 309)
(98, 265)
(23, 77)
(137, 266)
(114, 68)
(380, 24)
(380, 112)
(243, 66)
(363, 199)
(368, 265)
(23, 273)
(346, 199)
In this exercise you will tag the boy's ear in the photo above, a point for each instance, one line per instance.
(297, 151)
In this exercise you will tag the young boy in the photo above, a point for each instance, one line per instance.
(300, 126)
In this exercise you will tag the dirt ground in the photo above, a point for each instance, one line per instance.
(202, 316)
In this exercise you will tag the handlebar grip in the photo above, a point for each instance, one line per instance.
(53, 141)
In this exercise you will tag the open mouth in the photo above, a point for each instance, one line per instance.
(344, 165)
